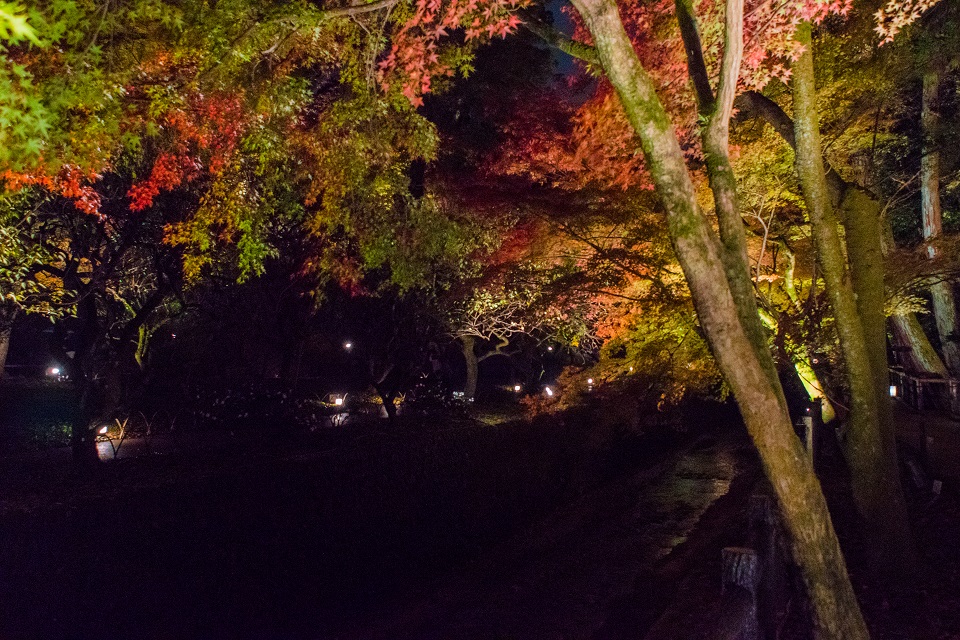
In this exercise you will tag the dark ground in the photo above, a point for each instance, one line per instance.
(460, 531)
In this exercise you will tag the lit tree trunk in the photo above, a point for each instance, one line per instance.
(941, 291)
(715, 112)
(467, 344)
(908, 336)
(922, 357)
(803, 367)
(701, 255)
(905, 325)
(870, 446)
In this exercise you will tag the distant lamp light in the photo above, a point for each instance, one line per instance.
(54, 371)
(338, 401)
(631, 369)
(549, 392)
(549, 348)
(173, 335)
(348, 345)
(103, 429)
(516, 388)
(893, 391)
(589, 380)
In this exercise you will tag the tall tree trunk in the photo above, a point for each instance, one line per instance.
(716, 112)
(941, 291)
(467, 344)
(870, 445)
(701, 255)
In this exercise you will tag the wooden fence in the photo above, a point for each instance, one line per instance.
(924, 393)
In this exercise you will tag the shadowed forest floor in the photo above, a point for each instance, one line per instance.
(465, 531)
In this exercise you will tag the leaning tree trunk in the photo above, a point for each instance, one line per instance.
(701, 255)
(467, 344)
(870, 446)
(920, 355)
(908, 336)
(941, 291)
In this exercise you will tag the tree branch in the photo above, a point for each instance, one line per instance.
(357, 8)
(562, 42)
(502, 344)
(695, 63)
(730, 64)
(762, 106)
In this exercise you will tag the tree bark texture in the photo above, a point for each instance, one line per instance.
(776, 117)
(941, 291)
(919, 354)
(716, 113)
(700, 253)
(870, 446)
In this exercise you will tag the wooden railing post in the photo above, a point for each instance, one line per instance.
(741, 574)
(763, 538)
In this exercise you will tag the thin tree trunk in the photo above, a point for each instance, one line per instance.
(716, 113)
(467, 344)
(941, 291)
(835, 610)
(870, 446)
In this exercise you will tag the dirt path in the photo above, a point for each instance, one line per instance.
(575, 573)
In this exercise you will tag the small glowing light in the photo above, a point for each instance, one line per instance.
(549, 391)
(893, 391)
(516, 388)
(549, 348)
(338, 402)
(631, 369)
(348, 345)
(55, 371)
(103, 429)
(589, 380)
(173, 335)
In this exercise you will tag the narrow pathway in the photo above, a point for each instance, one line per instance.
(564, 576)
